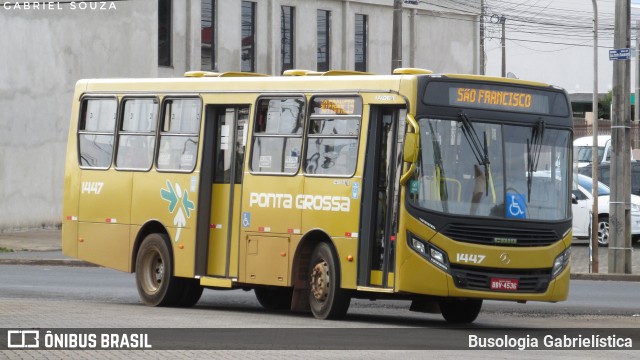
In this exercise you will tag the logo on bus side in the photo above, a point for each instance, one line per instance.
(302, 201)
(178, 200)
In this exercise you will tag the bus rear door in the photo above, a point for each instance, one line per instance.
(221, 179)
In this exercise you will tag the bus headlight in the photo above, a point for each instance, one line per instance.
(430, 252)
(560, 263)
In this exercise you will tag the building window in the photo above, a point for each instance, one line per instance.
(248, 36)
(287, 30)
(361, 43)
(324, 43)
(164, 32)
(207, 24)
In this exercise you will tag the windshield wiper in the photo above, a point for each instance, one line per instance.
(479, 151)
(440, 177)
(534, 148)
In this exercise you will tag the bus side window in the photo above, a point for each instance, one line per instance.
(96, 132)
(136, 138)
(178, 146)
(277, 136)
(332, 136)
(332, 146)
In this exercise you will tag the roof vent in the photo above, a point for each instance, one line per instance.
(412, 71)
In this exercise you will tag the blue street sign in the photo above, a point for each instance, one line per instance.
(620, 54)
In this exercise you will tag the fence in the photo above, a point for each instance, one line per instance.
(581, 128)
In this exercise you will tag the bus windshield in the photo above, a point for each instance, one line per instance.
(492, 170)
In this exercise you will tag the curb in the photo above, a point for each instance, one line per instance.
(47, 262)
(605, 277)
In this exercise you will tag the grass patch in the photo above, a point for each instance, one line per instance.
(5, 250)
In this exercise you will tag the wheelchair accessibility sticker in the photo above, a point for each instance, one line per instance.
(246, 219)
(516, 206)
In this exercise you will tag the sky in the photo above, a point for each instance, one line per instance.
(552, 41)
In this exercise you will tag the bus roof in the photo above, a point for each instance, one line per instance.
(298, 80)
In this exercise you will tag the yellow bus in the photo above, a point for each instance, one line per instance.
(316, 188)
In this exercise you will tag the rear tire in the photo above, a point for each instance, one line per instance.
(154, 273)
(274, 298)
(191, 293)
(326, 299)
(459, 311)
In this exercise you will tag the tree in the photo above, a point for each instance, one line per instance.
(604, 106)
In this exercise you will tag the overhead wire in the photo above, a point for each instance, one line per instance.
(541, 21)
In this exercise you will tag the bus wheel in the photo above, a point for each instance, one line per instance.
(326, 299)
(154, 273)
(460, 311)
(191, 292)
(274, 298)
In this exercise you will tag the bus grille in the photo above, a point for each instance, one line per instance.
(500, 236)
(529, 280)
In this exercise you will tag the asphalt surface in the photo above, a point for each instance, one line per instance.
(44, 247)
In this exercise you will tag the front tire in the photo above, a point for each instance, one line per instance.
(154, 273)
(326, 299)
(460, 311)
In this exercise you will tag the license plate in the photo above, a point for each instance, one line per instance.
(504, 284)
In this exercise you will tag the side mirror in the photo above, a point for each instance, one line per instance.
(411, 147)
(574, 199)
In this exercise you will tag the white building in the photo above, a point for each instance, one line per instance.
(48, 46)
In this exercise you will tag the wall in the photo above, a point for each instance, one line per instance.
(44, 52)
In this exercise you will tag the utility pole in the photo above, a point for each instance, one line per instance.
(620, 220)
(504, 55)
(636, 105)
(396, 46)
(594, 151)
(482, 64)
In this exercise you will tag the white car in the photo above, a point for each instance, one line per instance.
(583, 149)
(582, 211)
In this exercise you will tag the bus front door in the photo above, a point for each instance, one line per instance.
(222, 169)
(380, 193)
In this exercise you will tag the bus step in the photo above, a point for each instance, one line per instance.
(215, 282)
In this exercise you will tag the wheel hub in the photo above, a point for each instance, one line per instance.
(320, 281)
(603, 233)
(152, 268)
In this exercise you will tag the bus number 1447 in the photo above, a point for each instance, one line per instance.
(469, 258)
(92, 187)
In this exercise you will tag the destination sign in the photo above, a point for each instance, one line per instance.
(493, 97)
(498, 97)
(337, 106)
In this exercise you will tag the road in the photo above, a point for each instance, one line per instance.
(71, 297)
